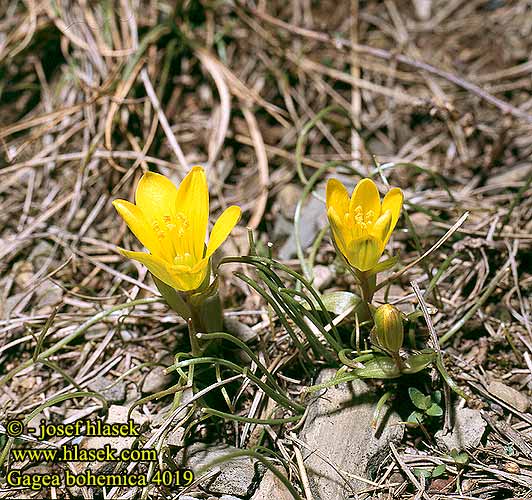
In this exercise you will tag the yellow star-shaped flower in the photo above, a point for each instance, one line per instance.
(361, 226)
(172, 224)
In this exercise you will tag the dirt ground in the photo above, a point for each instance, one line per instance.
(271, 98)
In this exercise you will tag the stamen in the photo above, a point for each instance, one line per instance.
(184, 260)
(182, 224)
(158, 231)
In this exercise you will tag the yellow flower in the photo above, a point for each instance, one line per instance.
(361, 226)
(172, 224)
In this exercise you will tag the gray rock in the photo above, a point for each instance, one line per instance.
(229, 497)
(338, 428)
(281, 228)
(235, 476)
(323, 277)
(271, 488)
(176, 436)
(156, 380)
(48, 294)
(287, 200)
(240, 330)
(423, 9)
(313, 218)
(41, 254)
(467, 431)
(116, 414)
(114, 394)
(509, 395)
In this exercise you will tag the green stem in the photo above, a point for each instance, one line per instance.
(206, 315)
(263, 421)
(277, 397)
(367, 284)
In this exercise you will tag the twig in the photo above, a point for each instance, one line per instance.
(432, 249)
(437, 348)
(384, 54)
(407, 471)
(164, 122)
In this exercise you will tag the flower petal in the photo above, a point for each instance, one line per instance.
(364, 253)
(223, 226)
(155, 265)
(191, 278)
(339, 231)
(366, 196)
(381, 227)
(393, 201)
(138, 224)
(193, 202)
(155, 197)
(337, 197)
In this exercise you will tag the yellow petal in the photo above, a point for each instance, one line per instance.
(364, 253)
(155, 265)
(382, 226)
(336, 196)
(138, 224)
(155, 197)
(193, 202)
(223, 226)
(393, 201)
(339, 231)
(190, 278)
(366, 195)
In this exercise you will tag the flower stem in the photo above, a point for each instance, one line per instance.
(367, 284)
(206, 316)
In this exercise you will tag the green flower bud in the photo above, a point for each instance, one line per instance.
(388, 331)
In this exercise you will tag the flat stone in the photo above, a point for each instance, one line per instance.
(116, 414)
(323, 277)
(271, 488)
(338, 428)
(23, 272)
(48, 294)
(235, 476)
(509, 395)
(114, 394)
(467, 431)
(156, 380)
(313, 218)
(423, 9)
(240, 330)
(177, 435)
(287, 200)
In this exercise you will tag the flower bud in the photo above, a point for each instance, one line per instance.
(388, 331)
